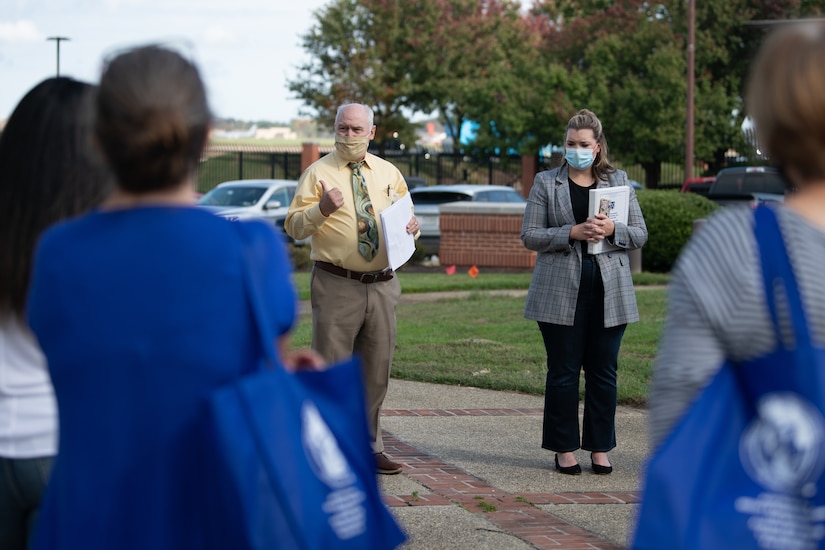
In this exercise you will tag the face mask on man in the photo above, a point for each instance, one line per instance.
(580, 159)
(352, 149)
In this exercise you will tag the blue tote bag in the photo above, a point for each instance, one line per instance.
(743, 468)
(291, 455)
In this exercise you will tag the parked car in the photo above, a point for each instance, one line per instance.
(700, 186)
(415, 181)
(246, 199)
(427, 201)
(747, 185)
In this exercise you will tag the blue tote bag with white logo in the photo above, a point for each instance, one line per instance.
(292, 463)
(743, 468)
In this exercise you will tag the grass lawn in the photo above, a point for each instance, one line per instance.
(483, 340)
(438, 281)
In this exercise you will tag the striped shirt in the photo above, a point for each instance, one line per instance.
(717, 307)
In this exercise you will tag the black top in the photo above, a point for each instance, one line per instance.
(580, 199)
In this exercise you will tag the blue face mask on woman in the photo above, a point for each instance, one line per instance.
(580, 159)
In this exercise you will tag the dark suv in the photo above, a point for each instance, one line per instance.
(747, 183)
(749, 179)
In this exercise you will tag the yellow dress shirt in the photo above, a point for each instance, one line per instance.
(334, 238)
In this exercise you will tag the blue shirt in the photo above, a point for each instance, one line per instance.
(141, 314)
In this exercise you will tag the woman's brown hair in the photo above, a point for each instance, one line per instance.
(786, 99)
(152, 118)
(587, 120)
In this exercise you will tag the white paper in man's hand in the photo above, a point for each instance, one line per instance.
(394, 220)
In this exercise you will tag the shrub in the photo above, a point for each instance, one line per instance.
(669, 216)
(300, 256)
(419, 255)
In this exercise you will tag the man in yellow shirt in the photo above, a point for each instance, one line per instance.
(353, 293)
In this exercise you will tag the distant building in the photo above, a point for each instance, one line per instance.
(433, 136)
(236, 134)
(275, 132)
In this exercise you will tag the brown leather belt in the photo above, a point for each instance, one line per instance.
(366, 278)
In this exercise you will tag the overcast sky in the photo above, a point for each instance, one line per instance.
(246, 49)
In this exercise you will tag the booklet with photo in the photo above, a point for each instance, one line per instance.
(400, 244)
(613, 202)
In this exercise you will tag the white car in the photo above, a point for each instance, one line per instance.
(248, 199)
(427, 201)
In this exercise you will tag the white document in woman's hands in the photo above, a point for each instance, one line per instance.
(394, 220)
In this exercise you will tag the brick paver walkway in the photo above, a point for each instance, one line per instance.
(516, 514)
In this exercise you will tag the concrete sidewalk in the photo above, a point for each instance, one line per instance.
(475, 477)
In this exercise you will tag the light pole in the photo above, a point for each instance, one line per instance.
(690, 86)
(58, 39)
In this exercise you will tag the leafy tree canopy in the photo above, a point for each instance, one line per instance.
(521, 73)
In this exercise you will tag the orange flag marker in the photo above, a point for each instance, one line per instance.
(473, 272)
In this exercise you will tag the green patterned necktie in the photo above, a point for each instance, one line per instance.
(367, 227)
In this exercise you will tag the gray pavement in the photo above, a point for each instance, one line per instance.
(501, 449)
(476, 478)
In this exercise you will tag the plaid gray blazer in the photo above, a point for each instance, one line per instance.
(554, 287)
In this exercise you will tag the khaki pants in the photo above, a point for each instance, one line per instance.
(353, 318)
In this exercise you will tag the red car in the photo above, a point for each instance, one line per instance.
(700, 186)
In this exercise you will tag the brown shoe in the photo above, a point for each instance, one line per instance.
(384, 465)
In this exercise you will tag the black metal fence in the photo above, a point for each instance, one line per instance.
(450, 168)
(223, 163)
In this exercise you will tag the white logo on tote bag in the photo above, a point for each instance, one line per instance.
(344, 504)
(782, 448)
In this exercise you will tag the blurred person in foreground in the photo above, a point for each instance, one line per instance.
(581, 301)
(736, 398)
(141, 310)
(353, 292)
(50, 171)
(717, 308)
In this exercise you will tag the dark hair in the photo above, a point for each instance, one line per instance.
(49, 170)
(152, 118)
(587, 120)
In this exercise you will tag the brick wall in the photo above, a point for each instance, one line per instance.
(484, 235)
(310, 152)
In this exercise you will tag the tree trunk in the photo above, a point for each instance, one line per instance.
(718, 161)
(653, 174)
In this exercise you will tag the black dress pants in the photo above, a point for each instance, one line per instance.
(588, 345)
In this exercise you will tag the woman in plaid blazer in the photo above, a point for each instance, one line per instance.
(582, 302)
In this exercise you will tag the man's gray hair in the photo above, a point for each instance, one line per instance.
(368, 109)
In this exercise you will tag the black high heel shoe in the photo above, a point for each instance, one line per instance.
(598, 469)
(573, 470)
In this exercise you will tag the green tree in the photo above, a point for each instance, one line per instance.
(726, 41)
(635, 72)
(529, 103)
(460, 58)
(450, 48)
(641, 98)
(723, 50)
(353, 47)
(633, 54)
(466, 58)
(520, 75)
